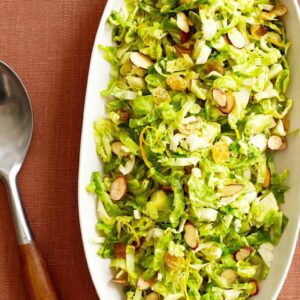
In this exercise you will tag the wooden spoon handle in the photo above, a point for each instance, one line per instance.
(37, 280)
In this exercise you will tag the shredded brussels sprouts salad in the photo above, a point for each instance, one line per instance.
(188, 202)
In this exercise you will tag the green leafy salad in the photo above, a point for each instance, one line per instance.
(188, 201)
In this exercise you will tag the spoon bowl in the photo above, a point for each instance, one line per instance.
(16, 121)
(16, 126)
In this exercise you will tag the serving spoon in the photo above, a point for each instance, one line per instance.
(16, 125)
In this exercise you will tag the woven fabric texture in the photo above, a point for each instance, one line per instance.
(49, 43)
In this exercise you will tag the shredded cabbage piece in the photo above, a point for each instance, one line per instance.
(189, 199)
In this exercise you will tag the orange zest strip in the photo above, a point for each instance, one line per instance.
(141, 144)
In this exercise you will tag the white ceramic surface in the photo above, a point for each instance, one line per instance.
(89, 162)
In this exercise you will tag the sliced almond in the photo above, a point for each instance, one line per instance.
(124, 115)
(284, 144)
(236, 38)
(255, 290)
(183, 22)
(220, 97)
(119, 250)
(258, 31)
(243, 253)
(229, 275)
(267, 180)
(230, 103)
(119, 280)
(174, 262)
(118, 188)
(191, 235)
(231, 189)
(152, 296)
(144, 284)
(286, 123)
(140, 60)
(274, 142)
(280, 11)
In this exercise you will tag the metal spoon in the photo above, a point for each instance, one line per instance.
(16, 125)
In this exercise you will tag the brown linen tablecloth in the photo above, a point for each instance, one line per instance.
(49, 44)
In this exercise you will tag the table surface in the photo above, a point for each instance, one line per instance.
(49, 43)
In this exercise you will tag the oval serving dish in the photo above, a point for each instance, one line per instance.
(89, 162)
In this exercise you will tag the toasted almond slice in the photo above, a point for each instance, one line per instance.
(191, 235)
(286, 123)
(174, 262)
(284, 144)
(277, 12)
(274, 142)
(258, 31)
(243, 253)
(152, 296)
(124, 115)
(119, 250)
(140, 60)
(118, 188)
(255, 287)
(267, 180)
(219, 96)
(143, 284)
(230, 102)
(236, 38)
(119, 280)
(229, 275)
(183, 22)
(231, 189)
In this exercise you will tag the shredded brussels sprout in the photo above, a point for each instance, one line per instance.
(189, 199)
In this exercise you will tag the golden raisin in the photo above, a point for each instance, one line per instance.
(220, 152)
(213, 65)
(174, 262)
(258, 31)
(176, 82)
